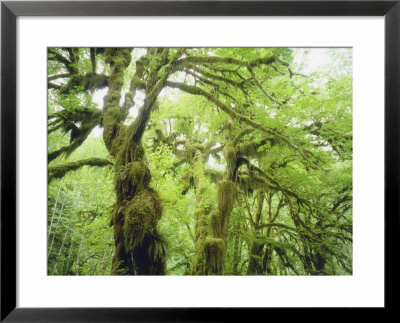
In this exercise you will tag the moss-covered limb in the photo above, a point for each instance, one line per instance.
(58, 171)
(135, 84)
(154, 87)
(89, 120)
(113, 113)
(91, 82)
(54, 55)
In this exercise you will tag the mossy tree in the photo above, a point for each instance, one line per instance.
(277, 134)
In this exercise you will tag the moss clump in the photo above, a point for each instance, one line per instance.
(112, 98)
(141, 216)
(132, 178)
(60, 170)
(139, 174)
(210, 257)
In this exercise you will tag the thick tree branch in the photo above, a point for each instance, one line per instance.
(58, 171)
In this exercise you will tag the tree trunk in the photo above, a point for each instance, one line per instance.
(256, 248)
(139, 248)
(202, 211)
(211, 248)
(255, 262)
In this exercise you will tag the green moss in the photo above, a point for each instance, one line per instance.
(139, 174)
(112, 98)
(226, 197)
(214, 252)
(230, 157)
(117, 80)
(215, 224)
(141, 216)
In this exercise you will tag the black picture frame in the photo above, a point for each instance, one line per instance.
(10, 10)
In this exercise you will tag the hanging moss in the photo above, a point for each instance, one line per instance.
(215, 224)
(139, 174)
(132, 178)
(226, 197)
(141, 216)
(214, 252)
(230, 157)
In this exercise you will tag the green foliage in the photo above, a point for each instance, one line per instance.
(261, 148)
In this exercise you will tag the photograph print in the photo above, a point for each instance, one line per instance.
(199, 161)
